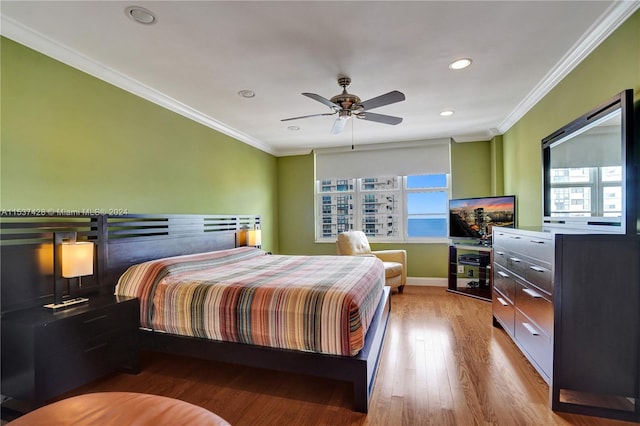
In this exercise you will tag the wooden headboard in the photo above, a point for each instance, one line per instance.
(26, 247)
(26, 256)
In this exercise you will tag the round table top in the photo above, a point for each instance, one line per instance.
(120, 408)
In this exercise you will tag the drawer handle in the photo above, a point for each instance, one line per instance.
(532, 293)
(515, 259)
(502, 301)
(515, 237)
(536, 241)
(503, 275)
(500, 253)
(89, 321)
(537, 268)
(96, 347)
(530, 329)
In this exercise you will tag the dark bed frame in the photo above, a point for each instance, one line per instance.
(122, 241)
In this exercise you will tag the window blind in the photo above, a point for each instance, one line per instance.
(389, 159)
(601, 148)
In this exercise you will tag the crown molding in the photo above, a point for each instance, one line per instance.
(615, 15)
(293, 152)
(39, 42)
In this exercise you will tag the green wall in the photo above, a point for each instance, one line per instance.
(71, 141)
(295, 206)
(611, 68)
(497, 176)
(471, 170)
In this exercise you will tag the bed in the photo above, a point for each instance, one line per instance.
(290, 340)
(321, 304)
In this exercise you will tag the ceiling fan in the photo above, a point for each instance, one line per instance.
(347, 105)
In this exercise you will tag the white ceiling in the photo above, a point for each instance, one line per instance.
(199, 54)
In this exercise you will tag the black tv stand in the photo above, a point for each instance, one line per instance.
(474, 260)
(473, 243)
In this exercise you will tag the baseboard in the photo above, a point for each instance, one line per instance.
(427, 282)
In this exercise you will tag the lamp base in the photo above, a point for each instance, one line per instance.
(66, 303)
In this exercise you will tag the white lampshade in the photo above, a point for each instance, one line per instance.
(77, 259)
(254, 237)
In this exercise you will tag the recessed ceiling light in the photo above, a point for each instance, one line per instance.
(293, 128)
(140, 15)
(247, 93)
(446, 112)
(460, 64)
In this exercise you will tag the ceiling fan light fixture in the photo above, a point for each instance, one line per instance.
(347, 105)
(140, 15)
(446, 113)
(460, 64)
(344, 114)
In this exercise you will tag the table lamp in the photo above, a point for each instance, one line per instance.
(254, 237)
(76, 261)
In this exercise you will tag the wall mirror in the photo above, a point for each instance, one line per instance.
(586, 169)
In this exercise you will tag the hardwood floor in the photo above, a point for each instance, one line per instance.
(443, 364)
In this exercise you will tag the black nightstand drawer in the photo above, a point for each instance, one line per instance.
(68, 367)
(45, 354)
(83, 330)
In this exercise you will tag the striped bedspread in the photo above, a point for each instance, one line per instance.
(309, 303)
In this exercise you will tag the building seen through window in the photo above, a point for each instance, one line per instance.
(391, 208)
(586, 191)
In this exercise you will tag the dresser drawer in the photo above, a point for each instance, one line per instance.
(517, 264)
(538, 248)
(503, 281)
(504, 312)
(533, 270)
(529, 244)
(535, 342)
(540, 274)
(535, 305)
(500, 256)
(508, 241)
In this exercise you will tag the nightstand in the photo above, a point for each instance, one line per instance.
(45, 353)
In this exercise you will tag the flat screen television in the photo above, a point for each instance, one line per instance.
(472, 219)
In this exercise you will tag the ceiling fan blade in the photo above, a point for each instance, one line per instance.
(322, 100)
(307, 116)
(339, 124)
(380, 118)
(386, 99)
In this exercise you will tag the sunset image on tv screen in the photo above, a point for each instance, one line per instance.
(476, 217)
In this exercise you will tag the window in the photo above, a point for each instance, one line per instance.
(405, 200)
(427, 206)
(389, 208)
(581, 191)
